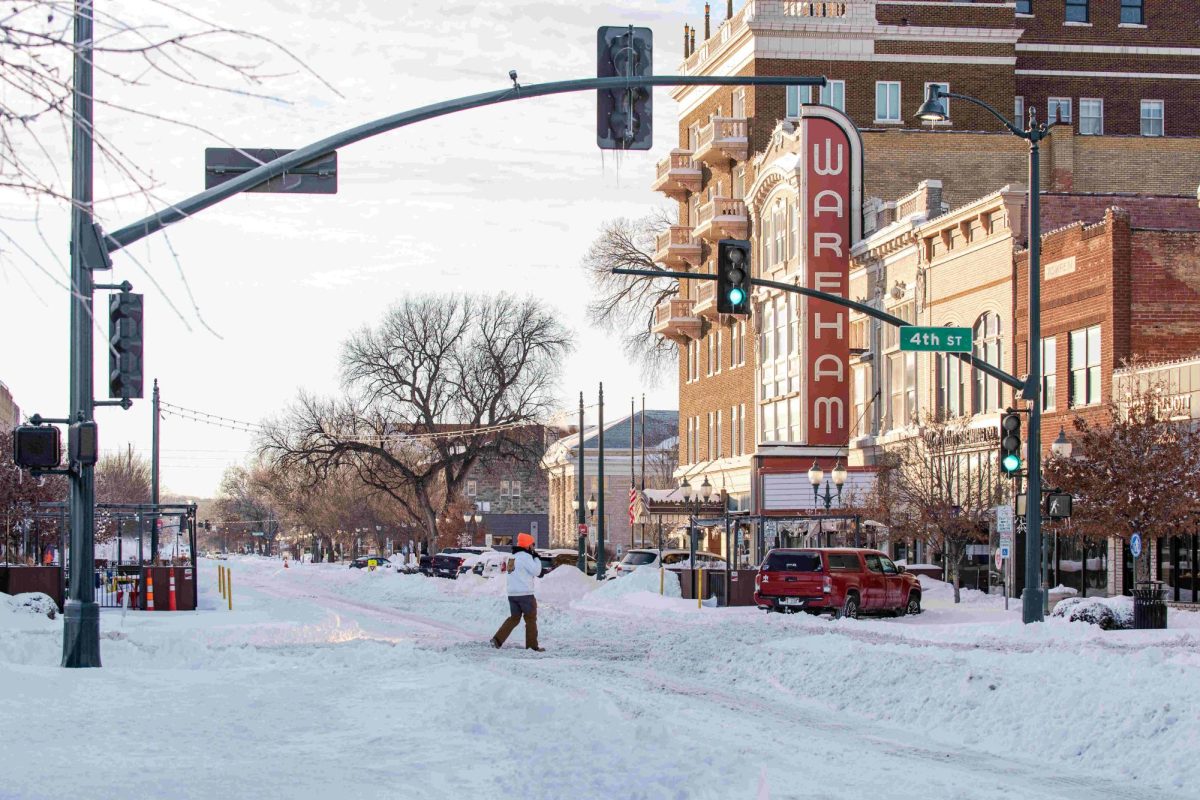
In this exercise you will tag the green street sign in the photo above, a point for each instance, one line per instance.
(934, 339)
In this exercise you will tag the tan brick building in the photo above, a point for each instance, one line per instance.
(10, 413)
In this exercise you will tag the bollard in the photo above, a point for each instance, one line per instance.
(171, 604)
(229, 588)
(662, 578)
(700, 591)
(149, 591)
(221, 579)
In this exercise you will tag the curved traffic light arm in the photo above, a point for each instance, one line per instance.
(261, 174)
(862, 308)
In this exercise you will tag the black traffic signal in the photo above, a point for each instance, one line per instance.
(733, 276)
(1010, 443)
(37, 447)
(83, 443)
(623, 116)
(125, 345)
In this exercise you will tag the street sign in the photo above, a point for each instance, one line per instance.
(1004, 520)
(256, 533)
(1135, 545)
(999, 559)
(318, 176)
(1005, 551)
(582, 529)
(930, 338)
(1058, 505)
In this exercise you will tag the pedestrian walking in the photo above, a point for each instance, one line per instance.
(522, 568)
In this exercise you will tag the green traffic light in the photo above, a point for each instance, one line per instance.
(1011, 462)
(736, 296)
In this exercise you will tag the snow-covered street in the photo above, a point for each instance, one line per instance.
(329, 682)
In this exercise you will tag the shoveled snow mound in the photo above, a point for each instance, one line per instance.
(564, 585)
(933, 589)
(643, 579)
(33, 603)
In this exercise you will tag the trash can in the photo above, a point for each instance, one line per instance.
(1149, 608)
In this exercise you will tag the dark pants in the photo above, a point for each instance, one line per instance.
(522, 605)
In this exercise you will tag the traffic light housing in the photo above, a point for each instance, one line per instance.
(624, 116)
(37, 447)
(733, 276)
(1010, 443)
(125, 345)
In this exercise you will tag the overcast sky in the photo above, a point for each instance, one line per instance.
(506, 197)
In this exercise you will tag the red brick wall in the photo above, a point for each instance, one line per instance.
(1165, 298)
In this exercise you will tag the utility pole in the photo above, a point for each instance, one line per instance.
(643, 437)
(600, 494)
(81, 616)
(632, 472)
(581, 512)
(154, 473)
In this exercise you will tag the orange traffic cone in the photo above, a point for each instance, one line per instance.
(149, 591)
(171, 606)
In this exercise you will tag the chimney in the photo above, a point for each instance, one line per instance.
(707, 11)
(692, 41)
(686, 51)
(729, 10)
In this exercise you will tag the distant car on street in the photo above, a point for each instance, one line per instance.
(453, 561)
(364, 562)
(648, 557)
(844, 581)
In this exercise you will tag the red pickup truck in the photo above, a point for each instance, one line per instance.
(845, 581)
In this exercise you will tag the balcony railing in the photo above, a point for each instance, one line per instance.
(723, 138)
(678, 174)
(677, 247)
(722, 218)
(676, 320)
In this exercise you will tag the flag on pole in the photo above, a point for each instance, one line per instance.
(632, 504)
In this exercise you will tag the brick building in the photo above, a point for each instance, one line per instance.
(510, 494)
(1126, 77)
(10, 413)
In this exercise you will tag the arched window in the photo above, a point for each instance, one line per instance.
(953, 385)
(986, 396)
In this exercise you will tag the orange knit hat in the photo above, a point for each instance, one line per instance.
(524, 540)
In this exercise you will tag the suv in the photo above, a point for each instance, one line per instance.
(845, 581)
(453, 561)
(563, 556)
(679, 559)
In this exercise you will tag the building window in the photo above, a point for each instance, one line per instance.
(902, 389)
(952, 387)
(1019, 111)
(1077, 10)
(712, 354)
(833, 93)
(1085, 366)
(720, 434)
(1049, 372)
(516, 490)
(796, 96)
(739, 103)
(1131, 12)
(780, 225)
(1024, 6)
(1152, 118)
(945, 87)
(712, 439)
(693, 136)
(742, 428)
(472, 488)
(987, 348)
(1091, 116)
(719, 346)
(1059, 109)
(739, 182)
(504, 488)
(887, 101)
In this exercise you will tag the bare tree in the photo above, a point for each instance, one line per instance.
(931, 489)
(1108, 468)
(123, 478)
(441, 382)
(624, 304)
(163, 41)
(20, 495)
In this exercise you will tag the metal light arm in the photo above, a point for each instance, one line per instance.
(1035, 132)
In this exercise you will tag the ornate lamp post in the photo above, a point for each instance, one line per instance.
(816, 476)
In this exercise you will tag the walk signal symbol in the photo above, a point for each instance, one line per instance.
(1010, 443)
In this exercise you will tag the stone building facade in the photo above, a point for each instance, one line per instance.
(10, 412)
(510, 494)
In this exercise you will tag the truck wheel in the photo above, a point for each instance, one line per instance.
(914, 604)
(850, 607)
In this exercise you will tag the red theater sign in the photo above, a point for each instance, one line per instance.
(831, 214)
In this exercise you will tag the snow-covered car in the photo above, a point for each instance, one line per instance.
(489, 565)
(563, 556)
(364, 562)
(648, 557)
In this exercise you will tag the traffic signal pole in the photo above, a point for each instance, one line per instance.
(81, 614)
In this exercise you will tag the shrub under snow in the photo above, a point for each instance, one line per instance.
(1109, 613)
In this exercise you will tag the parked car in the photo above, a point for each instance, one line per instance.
(425, 564)
(648, 557)
(489, 565)
(453, 561)
(363, 562)
(564, 556)
(844, 581)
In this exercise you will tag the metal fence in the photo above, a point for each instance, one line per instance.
(118, 586)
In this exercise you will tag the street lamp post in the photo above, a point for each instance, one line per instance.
(692, 500)
(815, 476)
(468, 518)
(1034, 132)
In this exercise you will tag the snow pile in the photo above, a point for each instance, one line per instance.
(33, 603)
(564, 585)
(643, 579)
(933, 589)
(1108, 613)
